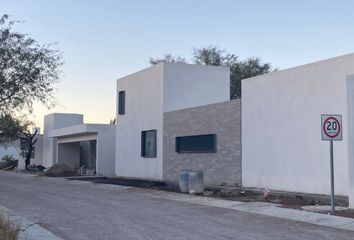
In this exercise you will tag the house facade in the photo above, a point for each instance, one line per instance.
(175, 116)
(68, 140)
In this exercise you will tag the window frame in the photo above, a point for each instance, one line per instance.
(121, 102)
(143, 143)
(178, 150)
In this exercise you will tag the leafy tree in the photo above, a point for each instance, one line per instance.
(28, 70)
(9, 128)
(245, 69)
(239, 69)
(211, 55)
(167, 58)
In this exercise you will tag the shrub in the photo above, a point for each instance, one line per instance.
(8, 158)
(8, 229)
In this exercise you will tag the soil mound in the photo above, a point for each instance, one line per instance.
(60, 170)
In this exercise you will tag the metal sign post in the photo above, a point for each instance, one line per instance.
(331, 130)
(333, 200)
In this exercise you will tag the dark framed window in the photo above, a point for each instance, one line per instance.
(148, 143)
(121, 103)
(196, 144)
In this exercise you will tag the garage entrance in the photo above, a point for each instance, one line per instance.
(80, 155)
(87, 148)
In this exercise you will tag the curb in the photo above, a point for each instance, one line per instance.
(29, 230)
(266, 209)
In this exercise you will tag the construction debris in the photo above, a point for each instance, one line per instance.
(35, 168)
(59, 170)
(85, 171)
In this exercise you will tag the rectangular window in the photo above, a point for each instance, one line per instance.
(148, 143)
(121, 103)
(196, 144)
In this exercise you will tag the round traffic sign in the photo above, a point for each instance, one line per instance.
(331, 127)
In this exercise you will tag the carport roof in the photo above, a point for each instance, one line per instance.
(81, 129)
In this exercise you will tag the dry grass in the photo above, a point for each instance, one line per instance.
(8, 229)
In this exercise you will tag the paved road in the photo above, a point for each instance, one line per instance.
(81, 210)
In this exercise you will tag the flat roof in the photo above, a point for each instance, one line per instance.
(81, 129)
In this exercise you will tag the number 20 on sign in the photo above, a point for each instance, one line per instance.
(331, 127)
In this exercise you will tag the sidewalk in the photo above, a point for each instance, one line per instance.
(263, 208)
(29, 230)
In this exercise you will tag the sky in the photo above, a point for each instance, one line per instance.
(103, 40)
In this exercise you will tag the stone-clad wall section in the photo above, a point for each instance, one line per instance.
(222, 119)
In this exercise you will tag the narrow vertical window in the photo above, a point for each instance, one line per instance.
(148, 143)
(121, 103)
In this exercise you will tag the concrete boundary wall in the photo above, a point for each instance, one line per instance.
(281, 128)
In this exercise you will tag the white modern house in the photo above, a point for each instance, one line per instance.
(281, 128)
(173, 116)
(56, 121)
(69, 141)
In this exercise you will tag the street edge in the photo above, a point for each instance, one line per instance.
(29, 230)
(264, 208)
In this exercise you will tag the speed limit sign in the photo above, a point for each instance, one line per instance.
(331, 130)
(331, 126)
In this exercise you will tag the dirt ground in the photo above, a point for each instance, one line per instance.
(349, 213)
(234, 194)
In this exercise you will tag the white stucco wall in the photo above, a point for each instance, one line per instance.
(143, 111)
(69, 154)
(38, 153)
(105, 151)
(191, 85)
(281, 134)
(11, 149)
(350, 142)
(54, 121)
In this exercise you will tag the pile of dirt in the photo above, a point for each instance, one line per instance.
(59, 170)
(7, 165)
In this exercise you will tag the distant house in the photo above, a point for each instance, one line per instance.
(14, 149)
(68, 140)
